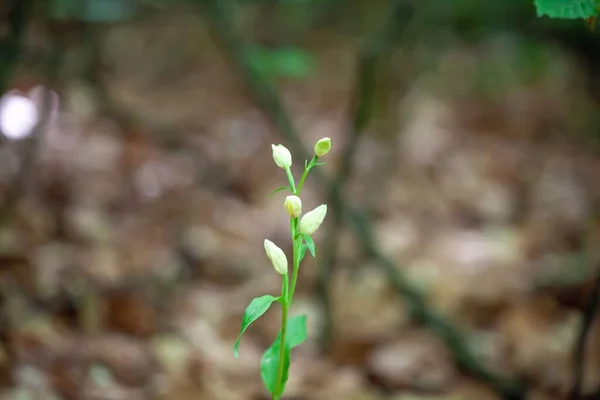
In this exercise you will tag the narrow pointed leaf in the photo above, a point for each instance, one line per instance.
(302, 252)
(279, 190)
(309, 243)
(254, 311)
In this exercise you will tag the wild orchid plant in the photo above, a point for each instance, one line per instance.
(275, 361)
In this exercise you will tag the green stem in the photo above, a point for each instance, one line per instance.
(291, 287)
(290, 177)
(296, 268)
(287, 300)
(284, 314)
(301, 183)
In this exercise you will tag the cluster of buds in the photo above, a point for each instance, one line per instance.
(311, 221)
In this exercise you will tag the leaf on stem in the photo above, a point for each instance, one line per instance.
(279, 190)
(269, 368)
(310, 244)
(257, 307)
(296, 331)
(302, 252)
(295, 335)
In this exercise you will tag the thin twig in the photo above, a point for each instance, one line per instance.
(11, 47)
(31, 143)
(362, 105)
(220, 17)
(589, 313)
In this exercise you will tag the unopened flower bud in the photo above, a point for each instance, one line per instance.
(293, 206)
(282, 156)
(277, 257)
(311, 221)
(322, 147)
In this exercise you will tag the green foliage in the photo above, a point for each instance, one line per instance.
(282, 63)
(269, 368)
(295, 335)
(275, 361)
(302, 253)
(309, 243)
(566, 9)
(296, 331)
(92, 10)
(257, 307)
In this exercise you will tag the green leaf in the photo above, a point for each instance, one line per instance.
(257, 307)
(283, 62)
(309, 243)
(293, 63)
(269, 368)
(296, 331)
(108, 10)
(295, 335)
(302, 252)
(92, 10)
(279, 190)
(319, 163)
(566, 9)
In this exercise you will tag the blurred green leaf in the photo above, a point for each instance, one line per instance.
(293, 63)
(566, 9)
(282, 63)
(92, 10)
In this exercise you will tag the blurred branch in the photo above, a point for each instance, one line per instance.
(19, 13)
(220, 13)
(590, 311)
(131, 124)
(444, 328)
(31, 143)
(361, 112)
(52, 65)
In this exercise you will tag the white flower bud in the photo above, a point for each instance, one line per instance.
(311, 221)
(293, 206)
(277, 257)
(322, 147)
(282, 156)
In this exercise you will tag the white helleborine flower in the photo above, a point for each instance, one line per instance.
(293, 206)
(277, 257)
(311, 221)
(322, 147)
(282, 156)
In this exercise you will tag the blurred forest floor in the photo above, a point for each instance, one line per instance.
(135, 242)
